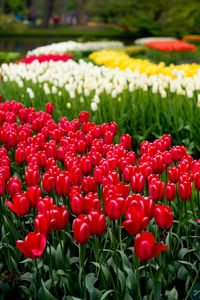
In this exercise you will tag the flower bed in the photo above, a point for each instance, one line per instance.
(64, 47)
(142, 41)
(167, 46)
(113, 59)
(43, 58)
(89, 218)
(111, 94)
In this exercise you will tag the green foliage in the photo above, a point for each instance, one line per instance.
(6, 57)
(17, 6)
(144, 18)
(9, 22)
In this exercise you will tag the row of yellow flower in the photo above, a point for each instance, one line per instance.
(113, 59)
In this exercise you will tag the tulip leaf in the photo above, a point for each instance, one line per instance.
(73, 260)
(157, 290)
(122, 280)
(106, 294)
(45, 292)
(159, 274)
(182, 273)
(26, 291)
(27, 277)
(173, 294)
(125, 260)
(184, 251)
(90, 280)
(58, 256)
(128, 297)
(131, 282)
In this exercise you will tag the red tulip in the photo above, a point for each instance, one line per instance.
(44, 205)
(83, 116)
(148, 204)
(42, 159)
(156, 189)
(114, 207)
(178, 152)
(136, 219)
(137, 183)
(61, 216)
(2, 185)
(170, 191)
(81, 229)
(89, 185)
(145, 247)
(5, 172)
(81, 147)
(167, 158)
(33, 245)
(108, 137)
(160, 145)
(197, 181)
(49, 108)
(158, 164)
(77, 204)
(185, 190)
(186, 177)
(125, 140)
(48, 182)
(128, 173)
(32, 176)
(97, 222)
(173, 174)
(14, 186)
(76, 175)
(163, 216)
(63, 184)
(20, 204)
(99, 173)
(19, 156)
(131, 157)
(86, 165)
(33, 193)
(44, 223)
(146, 169)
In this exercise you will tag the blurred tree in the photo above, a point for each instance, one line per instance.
(48, 10)
(144, 17)
(82, 11)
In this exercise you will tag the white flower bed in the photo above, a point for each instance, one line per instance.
(86, 79)
(63, 47)
(143, 41)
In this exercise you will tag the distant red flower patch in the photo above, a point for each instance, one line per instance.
(43, 58)
(167, 46)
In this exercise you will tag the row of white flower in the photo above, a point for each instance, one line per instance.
(145, 40)
(86, 79)
(64, 47)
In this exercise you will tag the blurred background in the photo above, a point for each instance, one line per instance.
(26, 24)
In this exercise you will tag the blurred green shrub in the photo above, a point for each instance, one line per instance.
(9, 22)
(6, 57)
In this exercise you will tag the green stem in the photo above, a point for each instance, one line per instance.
(138, 278)
(120, 233)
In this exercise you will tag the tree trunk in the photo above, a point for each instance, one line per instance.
(48, 9)
(64, 9)
(82, 12)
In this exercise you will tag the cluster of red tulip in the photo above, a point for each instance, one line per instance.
(43, 58)
(77, 159)
(167, 46)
